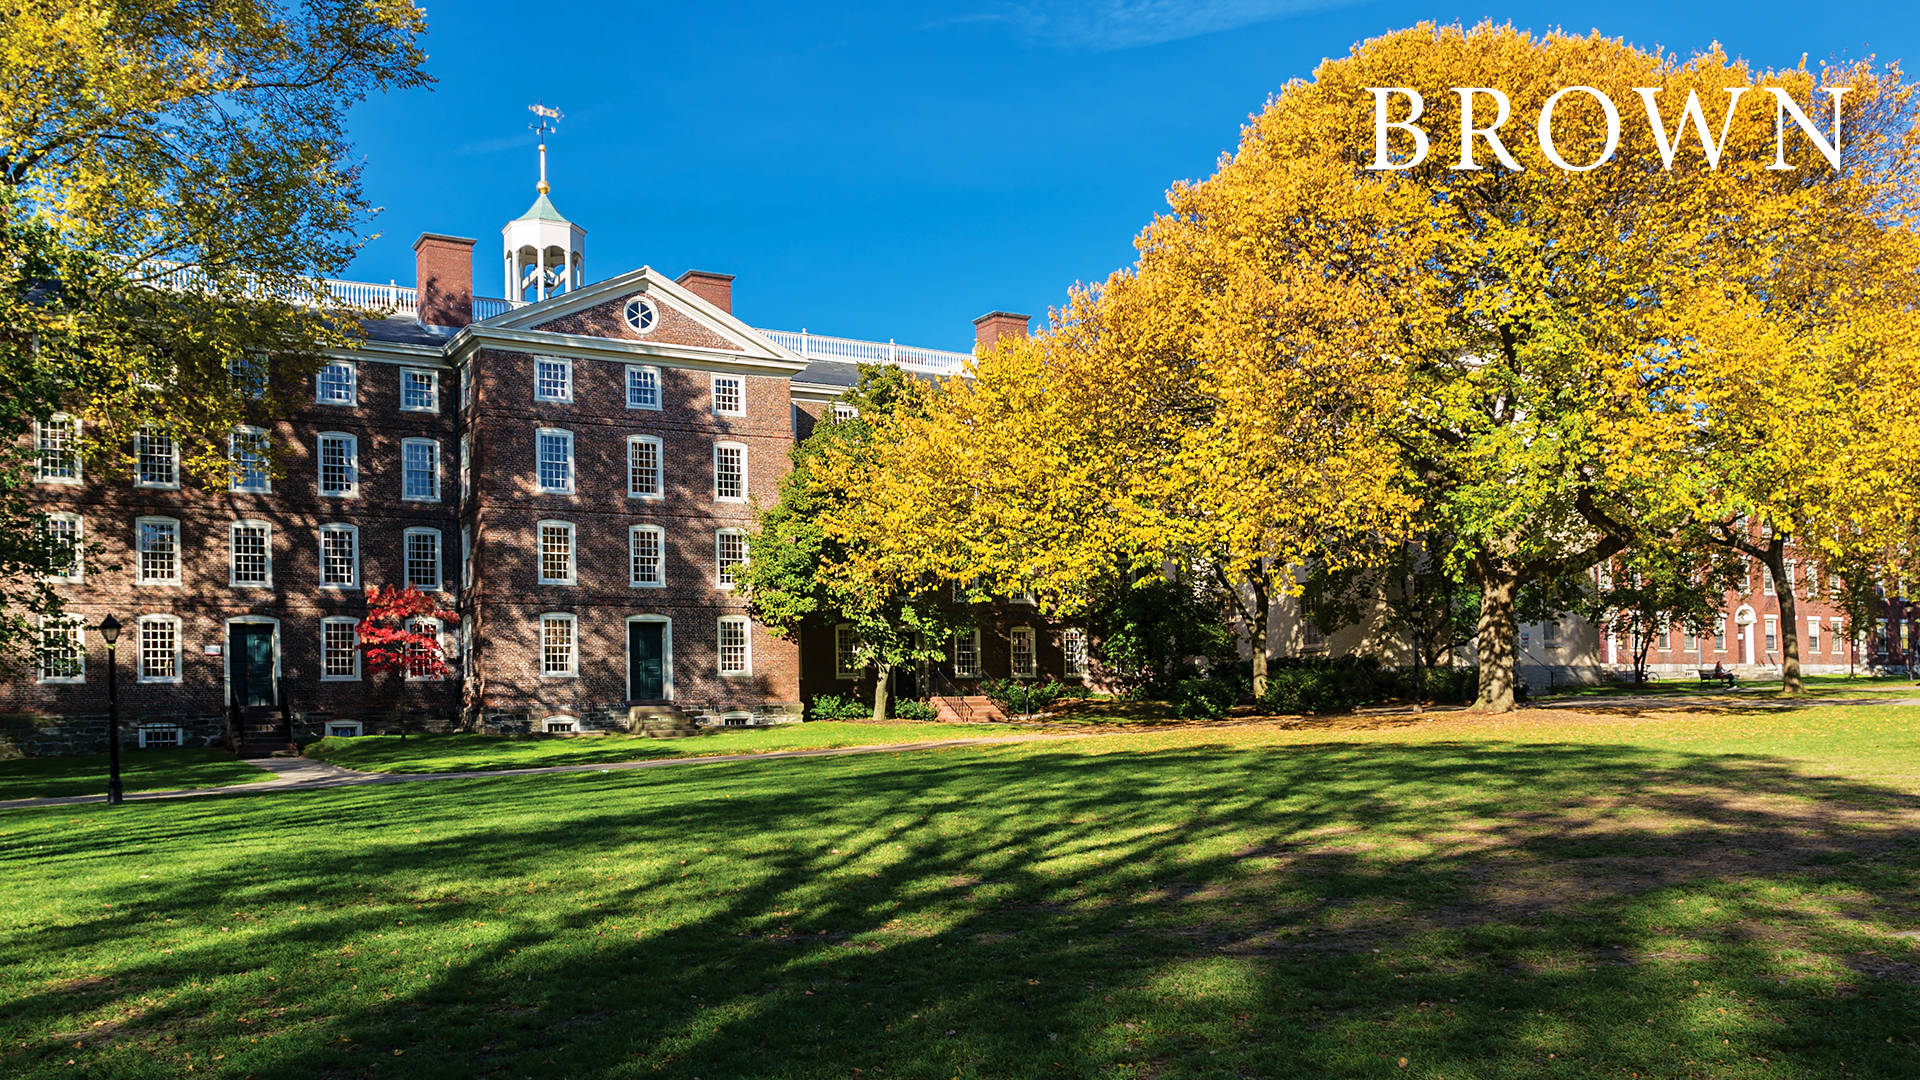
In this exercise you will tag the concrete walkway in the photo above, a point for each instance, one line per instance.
(305, 774)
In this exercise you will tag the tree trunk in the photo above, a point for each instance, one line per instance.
(1789, 631)
(1495, 637)
(1257, 630)
(882, 680)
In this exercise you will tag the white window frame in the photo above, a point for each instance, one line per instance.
(566, 368)
(466, 385)
(353, 636)
(717, 448)
(140, 648)
(746, 646)
(145, 733)
(344, 729)
(1792, 567)
(713, 393)
(237, 482)
(660, 556)
(540, 436)
(76, 631)
(139, 551)
(1772, 638)
(432, 377)
(540, 552)
(1033, 653)
(722, 579)
(439, 557)
(634, 443)
(247, 379)
(353, 384)
(843, 412)
(1839, 633)
(439, 630)
(352, 443)
(560, 724)
(72, 452)
(77, 568)
(351, 531)
(573, 644)
(970, 669)
(233, 555)
(1766, 581)
(1813, 635)
(644, 369)
(1072, 638)
(629, 314)
(466, 466)
(466, 556)
(433, 449)
(843, 636)
(140, 439)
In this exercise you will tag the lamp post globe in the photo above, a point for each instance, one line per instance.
(110, 633)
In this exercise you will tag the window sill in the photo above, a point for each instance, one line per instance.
(81, 681)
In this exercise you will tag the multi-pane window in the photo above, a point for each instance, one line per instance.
(729, 551)
(156, 459)
(1720, 636)
(159, 642)
(339, 649)
(846, 652)
(420, 470)
(643, 387)
(557, 648)
(420, 655)
(339, 464)
(843, 411)
(734, 657)
(247, 448)
(1839, 638)
(157, 542)
(466, 557)
(1792, 568)
(1773, 633)
(556, 553)
(466, 465)
(1813, 636)
(63, 547)
(335, 384)
(730, 472)
(466, 385)
(63, 650)
(555, 459)
(1073, 648)
(1693, 642)
(250, 554)
(423, 558)
(57, 439)
(966, 654)
(729, 395)
(1550, 634)
(339, 557)
(247, 374)
(419, 390)
(1020, 652)
(1766, 580)
(552, 378)
(643, 467)
(644, 549)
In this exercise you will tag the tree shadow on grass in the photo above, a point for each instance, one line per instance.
(1325, 910)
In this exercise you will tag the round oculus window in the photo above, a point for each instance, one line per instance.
(641, 315)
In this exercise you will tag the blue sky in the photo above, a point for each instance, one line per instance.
(882, 170)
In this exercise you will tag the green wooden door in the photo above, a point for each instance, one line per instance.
(646, 661)
(250, 663)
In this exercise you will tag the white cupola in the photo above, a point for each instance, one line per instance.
(545, 253)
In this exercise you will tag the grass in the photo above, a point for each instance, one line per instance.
(140, 770)
(464, 753)
(1550, 894)
(1817, 686)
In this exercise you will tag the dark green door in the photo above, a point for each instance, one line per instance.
(250, 663)
(646, 661)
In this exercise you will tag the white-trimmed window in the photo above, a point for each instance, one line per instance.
(559, 652)
(161, 737)
(63, 650)
(336, 384)
(339, 649)
(466, 466)
(843, 411)
(552, 378)
(554, 460)
(250, 555)
(66, 554)
(466, 556)
(1020, 655)
(846, 652)
(419, 390)
(1720, 635)
(1773, 633)
(158, 639)
(247, 448)
(560, 725)
(1839, 634)
(646, 552)
(643, 467)
(1813, 636)
(420, 470)
(556, 553)
(1766, 580)
(343, 729)
(339, 557)
(1073, 647)
(157, 544)
(1792, 567)
(729, 551)
(422, 552)
(339, 458)
(1693, 642)
(641, 315)
(247, 374)
(643, 386)
(736, 654)
(156, 459)
(729, 472)
(57, 438)
(966, 654)
(419, 659)
(466, 385)
(729, 395)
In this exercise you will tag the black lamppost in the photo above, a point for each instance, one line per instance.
(110, 633)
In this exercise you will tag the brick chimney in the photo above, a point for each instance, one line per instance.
(715, 289)
(443, 272)
(988, 329)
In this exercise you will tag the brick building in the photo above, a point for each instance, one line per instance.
(573, 469)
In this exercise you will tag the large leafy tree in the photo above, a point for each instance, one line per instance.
(1652, 588)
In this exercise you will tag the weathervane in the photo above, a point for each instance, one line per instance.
(549, 121)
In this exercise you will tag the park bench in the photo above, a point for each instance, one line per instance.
(1707, 676)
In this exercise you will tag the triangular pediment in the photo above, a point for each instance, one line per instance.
(682, 320)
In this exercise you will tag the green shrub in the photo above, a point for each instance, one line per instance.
(1017, 696)
(915, 710)
(1326, 684)
(1202, 698)
(839, 707)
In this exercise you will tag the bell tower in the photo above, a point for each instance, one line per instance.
(545, 253)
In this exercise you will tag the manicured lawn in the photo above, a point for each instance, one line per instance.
(140, 770)
(462, 753)
(1550, 894)
(1817, 686)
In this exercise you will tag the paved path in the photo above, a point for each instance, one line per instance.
(305, 774)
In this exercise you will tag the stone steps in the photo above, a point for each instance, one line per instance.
(661, 721)
(973, 709)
